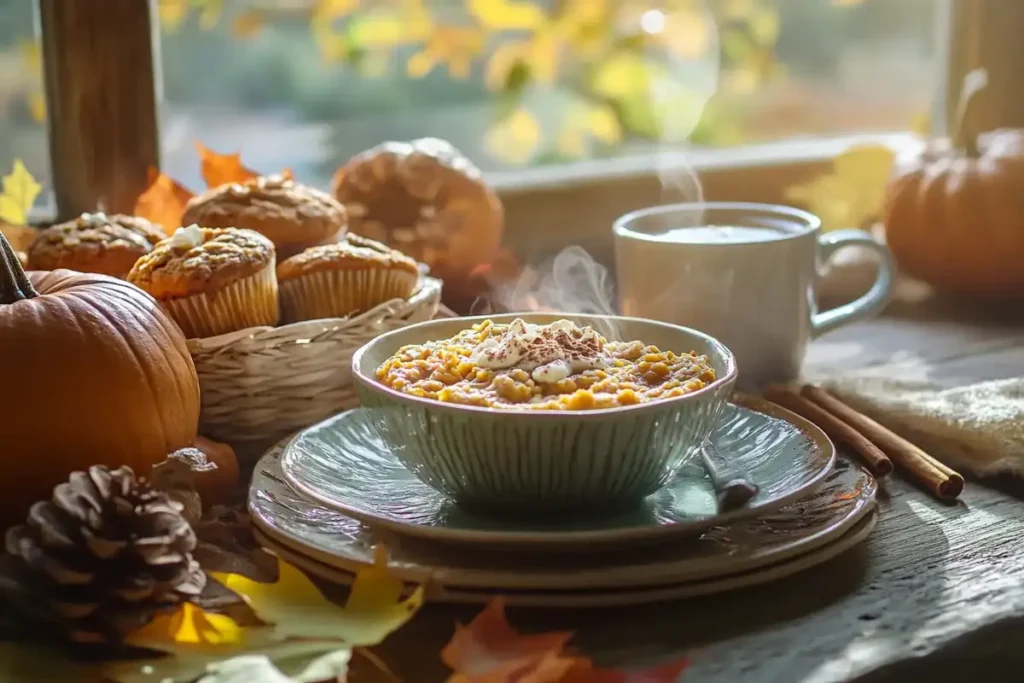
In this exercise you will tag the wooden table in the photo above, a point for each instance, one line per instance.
(937, 591)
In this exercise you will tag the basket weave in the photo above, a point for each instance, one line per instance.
(267, 382)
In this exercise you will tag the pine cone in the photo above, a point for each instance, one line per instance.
(105, 555)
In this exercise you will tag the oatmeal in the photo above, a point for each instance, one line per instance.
(560, 366)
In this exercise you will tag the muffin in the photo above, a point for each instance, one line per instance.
(337, 280)
(95, 243)
(212, 280)
(425, 198)
(293, 216)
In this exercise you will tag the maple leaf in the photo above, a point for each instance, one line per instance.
(851, 195)
(221, 169)
(504, 15)
(374, 609)
(489, 650)
(453, 46)
(20, 190)
(163, 202)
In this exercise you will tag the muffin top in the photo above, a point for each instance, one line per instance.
(95, 241)
(287, 212)
(198, 260)
(352, 253)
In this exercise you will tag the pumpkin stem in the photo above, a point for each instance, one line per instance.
(974, 82)
(14, 283)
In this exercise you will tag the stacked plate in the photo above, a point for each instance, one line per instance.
(325, 498)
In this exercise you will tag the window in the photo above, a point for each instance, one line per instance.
(22, 103)
(515, 83)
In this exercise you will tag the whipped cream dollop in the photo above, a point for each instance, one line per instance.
(94, 220)
(188, 237)
(549, 352)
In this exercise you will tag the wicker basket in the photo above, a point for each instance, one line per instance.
(266, 382)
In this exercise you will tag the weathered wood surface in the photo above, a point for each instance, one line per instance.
(937, 591)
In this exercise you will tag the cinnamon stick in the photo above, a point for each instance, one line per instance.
(837, 430)
(942, 481)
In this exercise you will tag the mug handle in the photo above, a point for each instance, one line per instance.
(874, 300)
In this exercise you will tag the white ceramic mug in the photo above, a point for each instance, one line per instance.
(751, 286)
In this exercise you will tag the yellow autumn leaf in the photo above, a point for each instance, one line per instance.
(20, 190)
(188, 625)
(516, 138)
(377, 30)
(851, 195)
(334, 9)
(538, 53)
(248, 24)
(603, 124)
(172, 13)
(622, 75)
(506, 15)
(451, 46)
(297, 608)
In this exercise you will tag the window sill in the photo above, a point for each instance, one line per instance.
(548, 209)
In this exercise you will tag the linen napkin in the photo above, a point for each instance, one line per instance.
(977, 428)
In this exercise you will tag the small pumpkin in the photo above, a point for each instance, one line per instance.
(93, 373)
(954, 210)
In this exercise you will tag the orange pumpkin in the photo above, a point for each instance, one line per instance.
(954, 211)
(94, 373)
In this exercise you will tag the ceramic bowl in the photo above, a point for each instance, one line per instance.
(545, 460)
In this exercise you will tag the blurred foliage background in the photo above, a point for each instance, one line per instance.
(514, 83)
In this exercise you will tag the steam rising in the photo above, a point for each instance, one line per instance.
(572, 281)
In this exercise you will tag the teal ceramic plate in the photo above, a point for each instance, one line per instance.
(343, 464)
(620, 597)
(293, 521)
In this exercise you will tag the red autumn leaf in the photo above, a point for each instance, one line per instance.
(220, 169)
(489, 650)
(163, 202)
(584, 672)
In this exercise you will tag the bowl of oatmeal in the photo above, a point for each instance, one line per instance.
(541, 411)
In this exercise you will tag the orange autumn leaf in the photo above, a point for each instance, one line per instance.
(163, 202)
(220, 169)
(489, 650)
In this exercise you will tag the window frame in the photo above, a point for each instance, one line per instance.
(102, 149)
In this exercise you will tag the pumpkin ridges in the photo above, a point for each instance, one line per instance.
(103, 377)
(144, 303)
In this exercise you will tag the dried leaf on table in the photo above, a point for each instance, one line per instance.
(19, 192)
(374, 609)
(163, 202)
(197, 643)
(489, 650)
(851, 195)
